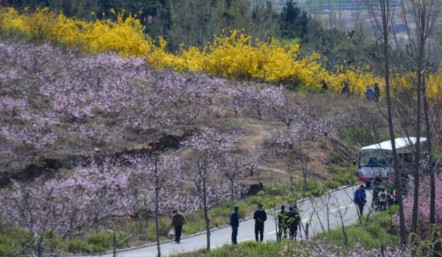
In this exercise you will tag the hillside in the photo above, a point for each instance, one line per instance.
(67, 117)
(54, 129)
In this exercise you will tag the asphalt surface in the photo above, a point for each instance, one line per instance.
(314, 212)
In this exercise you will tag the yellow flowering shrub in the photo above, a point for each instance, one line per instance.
(233, 56)
(125, 36)
(434, 86)
(192, 59)
(11, 20)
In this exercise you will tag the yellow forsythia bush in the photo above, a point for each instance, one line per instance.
(125, 36)
(434, 87)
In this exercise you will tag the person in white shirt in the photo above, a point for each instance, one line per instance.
(382, 200)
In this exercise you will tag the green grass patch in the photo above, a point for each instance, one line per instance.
(164, 225)
(246, 249)
(375, 232)
(12, 240)
(95, 243)
(342, 176)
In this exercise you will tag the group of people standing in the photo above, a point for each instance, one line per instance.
(286, 221)
(290, 221)
(381, 198)
(260, 217)
(372, 93)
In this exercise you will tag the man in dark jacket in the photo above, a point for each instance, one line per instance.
(360, 199)
(377, 91)
(294, 221)
(282, 223)
(178, 221)
(234, 222)
(260, 217)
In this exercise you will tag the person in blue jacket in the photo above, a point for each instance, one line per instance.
(360, 199)
(234, 222)
(260, 217)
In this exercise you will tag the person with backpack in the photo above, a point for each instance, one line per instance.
(360, 199)
(260, 216)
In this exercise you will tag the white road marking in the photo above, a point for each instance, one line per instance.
(306, 220)
(270, 233)
(343, 207)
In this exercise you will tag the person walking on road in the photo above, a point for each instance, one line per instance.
(360, 199)
(282, 223)
(382, 200)
(178, 221)
(234, 222)
(294, 221)
(260, 217)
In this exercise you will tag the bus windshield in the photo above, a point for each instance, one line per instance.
(374, 158)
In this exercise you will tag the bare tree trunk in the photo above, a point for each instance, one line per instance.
(303, 167)
(430, 160)
(420, 73)
(417, 157)
(232, 189)
(114, 243)
(206, 214)
(344, 231)
(40, 246)
(157, 195)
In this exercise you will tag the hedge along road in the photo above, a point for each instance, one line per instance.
(337, 205)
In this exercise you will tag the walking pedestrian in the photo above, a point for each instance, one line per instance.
(324, 85)
(260, 217)
(377, 91)
(360, 199)
(382, 200)
(234, 222)
(178, 221)
(370, 94)
(294, 221)
(282, 223)
(345, 89)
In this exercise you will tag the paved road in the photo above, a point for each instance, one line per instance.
(314, 212)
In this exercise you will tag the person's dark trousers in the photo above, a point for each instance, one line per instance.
(361, 209)
(178, 231)
(234, 234)
(259, 228)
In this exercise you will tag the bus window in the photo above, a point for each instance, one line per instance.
(374, 158)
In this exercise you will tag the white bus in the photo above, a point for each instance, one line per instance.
(378, 158)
